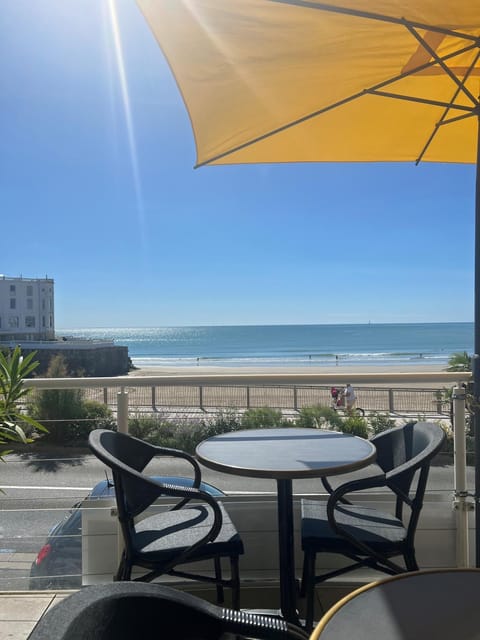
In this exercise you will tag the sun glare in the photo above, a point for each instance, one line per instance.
(122, 76)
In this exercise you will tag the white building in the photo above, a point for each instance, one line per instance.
(26, 309)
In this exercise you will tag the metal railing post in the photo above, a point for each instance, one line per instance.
(460, 502)
(390, 401)
(439, 407)
(105, 395)
(248, 397)
(200, 397)
(295, 398)
(122, 410)
(154, 398)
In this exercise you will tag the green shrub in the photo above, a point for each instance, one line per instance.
(355, 425)
(263, 418)
(189, 435)
(15, 425)
(381, 422)
(67, 415)
(460, 361)
(186, 435)
(74, 429)
(97, 416)
(223, 421)
(319, 417)
(449, 444)
(146, 428)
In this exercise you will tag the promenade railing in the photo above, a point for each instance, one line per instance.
(279, 391)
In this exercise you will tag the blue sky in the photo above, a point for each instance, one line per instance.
(100, 194)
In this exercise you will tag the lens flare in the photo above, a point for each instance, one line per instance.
(122, 76)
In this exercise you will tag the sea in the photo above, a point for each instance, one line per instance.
(288, 345)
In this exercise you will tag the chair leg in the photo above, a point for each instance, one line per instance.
(304, 577)
(124, 570)
(308, 588)
(411, 561)
(235, 578)
(218, 578)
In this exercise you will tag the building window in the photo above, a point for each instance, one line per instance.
(43, 321)
(13, 322)
(29, 303)
(12, 288)
(29, 290)
(29, 321)
(13, 303)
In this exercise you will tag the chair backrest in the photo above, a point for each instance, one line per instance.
(114, 448)
(126, 610)
(401, 452)
(127, 457)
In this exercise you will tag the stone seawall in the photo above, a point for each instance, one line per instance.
(91, 361)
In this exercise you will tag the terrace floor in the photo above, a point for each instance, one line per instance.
(20, 611)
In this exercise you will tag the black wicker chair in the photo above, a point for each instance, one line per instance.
(127, 610)
(365, 535)
(196, 528)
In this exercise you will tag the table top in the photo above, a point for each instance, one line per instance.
(440, 604)
(285, 453)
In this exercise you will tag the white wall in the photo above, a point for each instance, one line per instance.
(27, 308)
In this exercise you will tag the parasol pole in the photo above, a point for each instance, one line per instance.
(476, 356)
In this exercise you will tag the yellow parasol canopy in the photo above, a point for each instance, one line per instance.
(305, 81)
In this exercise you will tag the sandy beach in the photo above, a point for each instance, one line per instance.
(380, 375)
(322, 370)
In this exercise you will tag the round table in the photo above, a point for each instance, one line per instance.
(286, 454)
(440, 604)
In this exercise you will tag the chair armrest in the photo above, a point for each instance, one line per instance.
(350, 487)
(177, 453)
(254, 625)
(410, 467)
(337, 496)
(326, 484)
(360, 484)
(192, 493)
(328, 487)
(375, 472)
(186, 494)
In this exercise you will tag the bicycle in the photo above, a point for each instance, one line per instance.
(338, 403)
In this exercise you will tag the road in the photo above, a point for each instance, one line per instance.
(40, 489)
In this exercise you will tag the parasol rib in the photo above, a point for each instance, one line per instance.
(434, 103)
(443, 119)
(448, 71)
(377, 16)
(474, 112)
(339, 103)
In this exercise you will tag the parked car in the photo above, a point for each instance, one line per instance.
(58, 564)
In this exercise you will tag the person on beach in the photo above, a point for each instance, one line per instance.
(349, 395)
(334, 393)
